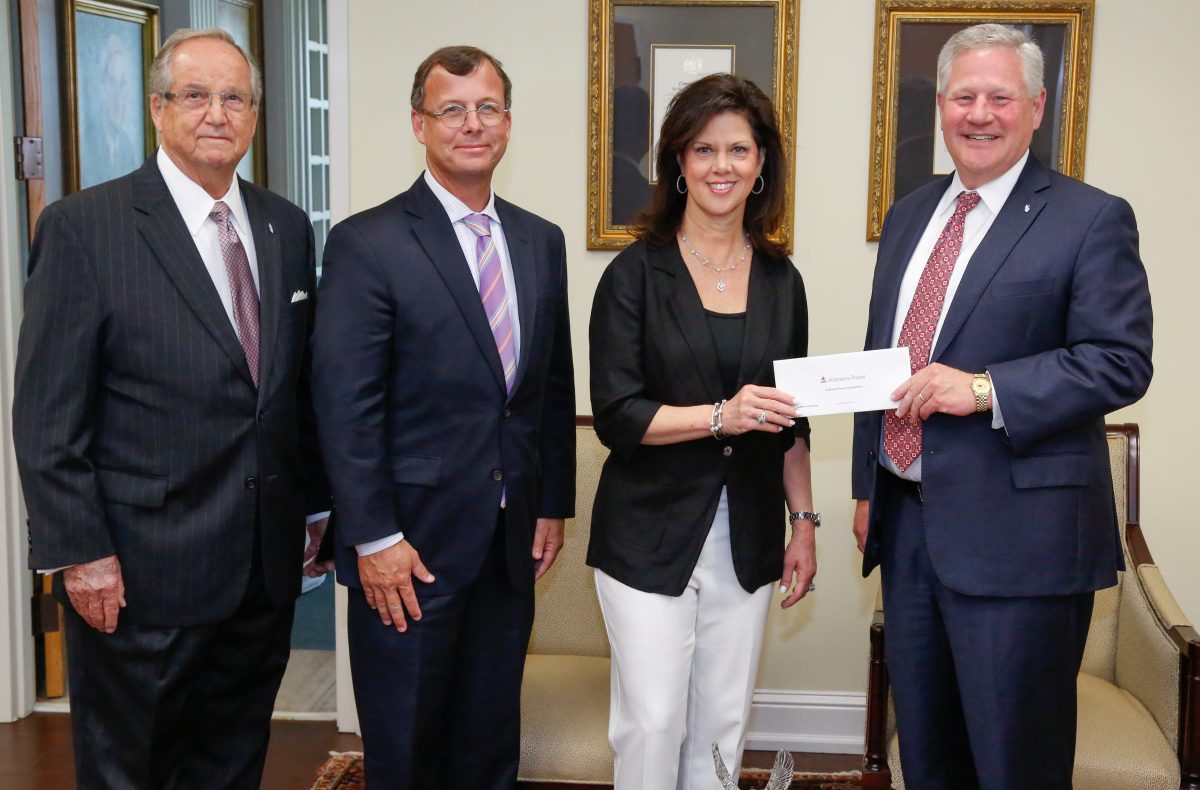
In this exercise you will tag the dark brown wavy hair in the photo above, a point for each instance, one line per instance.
(687, 115)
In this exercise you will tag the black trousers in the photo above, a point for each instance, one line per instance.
(155, 707)
(440, 704)
(984, 687)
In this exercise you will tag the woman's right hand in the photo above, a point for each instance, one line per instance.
(742, 413)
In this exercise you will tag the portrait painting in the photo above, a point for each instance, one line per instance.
(111, 46)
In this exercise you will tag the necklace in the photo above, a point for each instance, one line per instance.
(718, 270)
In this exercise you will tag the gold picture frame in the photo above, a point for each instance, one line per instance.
(623, 97)
(908, 37)
(109, 46)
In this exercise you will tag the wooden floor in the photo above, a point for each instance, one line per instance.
(35, 754)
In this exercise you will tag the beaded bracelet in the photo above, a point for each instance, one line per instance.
(716, 423)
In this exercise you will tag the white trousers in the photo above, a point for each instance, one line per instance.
(683, 671)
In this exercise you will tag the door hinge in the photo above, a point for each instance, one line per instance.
(30, 165)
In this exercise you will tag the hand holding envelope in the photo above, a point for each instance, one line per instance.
(840, 383)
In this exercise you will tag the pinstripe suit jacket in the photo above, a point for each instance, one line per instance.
(137, 426)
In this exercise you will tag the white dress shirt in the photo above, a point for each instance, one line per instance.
(979, 220)
(458, 211)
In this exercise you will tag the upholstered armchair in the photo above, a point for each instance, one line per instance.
(1139, 687)
(564, 699)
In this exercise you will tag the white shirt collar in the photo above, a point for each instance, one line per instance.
(993, 194)
(194, 203)
(455, 208)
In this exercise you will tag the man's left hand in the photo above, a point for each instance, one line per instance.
(316, 533)
(932, 389)
(547, 542)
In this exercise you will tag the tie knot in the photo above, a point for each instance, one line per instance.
(968, 201)
(220, 212)
(479, 223)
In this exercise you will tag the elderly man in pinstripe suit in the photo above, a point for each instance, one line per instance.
(164, 436)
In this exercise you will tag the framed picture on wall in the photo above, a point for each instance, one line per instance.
(907, 150)
(641, 53)
(109, 45)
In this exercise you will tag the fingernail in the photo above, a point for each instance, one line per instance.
(791, 422)
(782, 588)
(799, 412)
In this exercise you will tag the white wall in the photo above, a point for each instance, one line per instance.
(1143, 114)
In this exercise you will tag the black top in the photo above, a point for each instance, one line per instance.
(653, 345)
(728, 331)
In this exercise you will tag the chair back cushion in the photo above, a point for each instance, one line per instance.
(1099, 657)
(568, 619)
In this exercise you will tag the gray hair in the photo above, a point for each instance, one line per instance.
(160, 70)
(991, 35)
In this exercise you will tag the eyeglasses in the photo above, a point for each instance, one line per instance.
(455, 115)
(195, 100)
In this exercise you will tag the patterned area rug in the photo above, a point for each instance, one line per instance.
(344, 771)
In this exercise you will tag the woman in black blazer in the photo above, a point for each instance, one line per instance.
(688, 524)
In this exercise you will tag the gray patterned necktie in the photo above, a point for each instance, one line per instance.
(241, 285)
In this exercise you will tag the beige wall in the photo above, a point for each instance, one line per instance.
(1143, 116)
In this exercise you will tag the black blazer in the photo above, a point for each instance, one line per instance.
(419, 432)
(137, 426)
(651, 346)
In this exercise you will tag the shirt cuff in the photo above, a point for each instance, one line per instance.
(316, 517)
(55, 570)
(373, 546)
(997, 415)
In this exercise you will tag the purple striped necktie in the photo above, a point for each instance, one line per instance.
(493, 294)
(241, 285)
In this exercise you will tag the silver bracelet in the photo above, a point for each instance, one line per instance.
(716, 423)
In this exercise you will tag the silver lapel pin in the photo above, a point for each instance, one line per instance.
(271, 228)
(1026, 208)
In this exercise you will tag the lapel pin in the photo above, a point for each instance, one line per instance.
(1026, 208)
(271, 228)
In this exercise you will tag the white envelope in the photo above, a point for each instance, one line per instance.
(839, 383)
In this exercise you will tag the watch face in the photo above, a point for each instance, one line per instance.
(981, 386)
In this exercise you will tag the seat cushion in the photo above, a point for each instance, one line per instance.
(1118, 745)
(564, 720)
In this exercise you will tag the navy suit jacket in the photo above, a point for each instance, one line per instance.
(138, 428)
(418, 430)
(1054, 305)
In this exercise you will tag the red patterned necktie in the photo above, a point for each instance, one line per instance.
(241, 285)
(493, 294)
(901, 439)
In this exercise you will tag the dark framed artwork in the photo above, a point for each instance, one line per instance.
(641, 53)
(907, 150)
(109, 45)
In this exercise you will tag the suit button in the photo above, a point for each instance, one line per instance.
(251, 482)
(508, 412)
(497, 475)
(262, 416)
(726, 451)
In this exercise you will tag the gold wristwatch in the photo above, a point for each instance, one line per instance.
(981, 385)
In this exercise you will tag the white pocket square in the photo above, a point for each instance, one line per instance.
(299, 296)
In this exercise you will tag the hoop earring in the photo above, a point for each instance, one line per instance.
(762, 184)
(682, 191)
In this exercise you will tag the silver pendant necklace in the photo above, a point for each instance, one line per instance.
(732, 263)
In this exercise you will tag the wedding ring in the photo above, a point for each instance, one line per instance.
(762, 417)
(921, 395)
(812, 586)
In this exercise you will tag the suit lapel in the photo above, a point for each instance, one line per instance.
(522, 254)
(688, 311)
(167, 236)
(436, 236)
(897, 262)
(1019, 211)
(760, 307)
(270, 280)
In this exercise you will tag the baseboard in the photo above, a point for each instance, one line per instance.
(827, 722)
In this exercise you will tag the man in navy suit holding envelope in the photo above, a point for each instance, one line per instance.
(986, 495)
